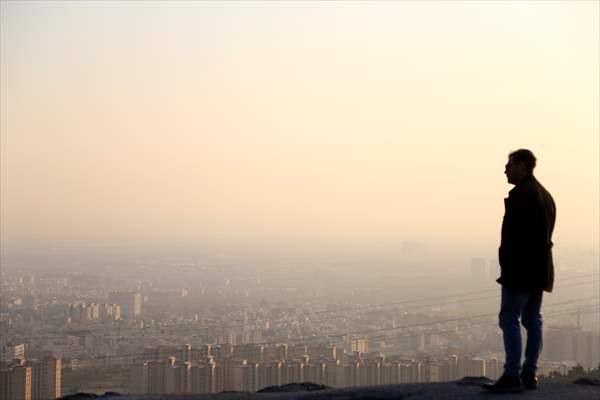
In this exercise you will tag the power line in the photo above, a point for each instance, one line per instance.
(406, 326)
(427, 323)
(485, 297)
(423, 300)
(585, 310)
(440, 297)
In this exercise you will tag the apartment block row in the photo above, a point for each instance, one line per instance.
(93, 312)
(30, 379)
(219, 372)
(122, 305)
(572, 344)
(251, 352)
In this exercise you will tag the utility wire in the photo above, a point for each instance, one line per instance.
(385, 305)
(426, 323)
(441, 297)
(585, 310)
(337, 334)
(241, 353)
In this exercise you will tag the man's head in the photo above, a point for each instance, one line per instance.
(520, 165)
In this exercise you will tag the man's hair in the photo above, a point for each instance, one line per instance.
(524, 156)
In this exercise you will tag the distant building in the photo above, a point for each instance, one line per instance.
(12, 352)
(478, 268)
(93, 312)
(313, 373)
(292, 371)
(572, 344)
(250, 352)
(46, 378)
(330, 373)
(156, 377)
(410, 372)
(15, 383)
(31, 380)
(215, 369)
(138, 383)
(494, 268)
(493, 368)
(475, 367)
(360, 345)
(177, 377)
(203, 378)
(244, 377)
(273, 373)
(446, 370)
(323, 351)
(130, 302)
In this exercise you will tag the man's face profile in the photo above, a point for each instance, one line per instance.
(515, 171)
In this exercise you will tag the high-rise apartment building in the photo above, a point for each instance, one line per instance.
(273, 373)
(203, 378)
(130, 302)
(493, 368)
(410, 372)
(31, 380)
(242, 377)
(352, 374)
(572, 344)
(371, 372)
(156, 377)
(292, 371)
(475, 367)
(177, 377)
(11, 352)
(46, 378)
(330, 373)
(250, 352)
(138, 383)
(296, 351)
(321, 351)
(15, 382)
(93, 312)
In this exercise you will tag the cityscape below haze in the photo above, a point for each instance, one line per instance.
(200, 197)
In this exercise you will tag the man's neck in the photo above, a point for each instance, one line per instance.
(524, 179)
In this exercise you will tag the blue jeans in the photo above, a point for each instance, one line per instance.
(523, 306)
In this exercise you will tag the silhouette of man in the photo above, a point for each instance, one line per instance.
(527, 270)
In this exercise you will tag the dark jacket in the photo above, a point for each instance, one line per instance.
(525, 252)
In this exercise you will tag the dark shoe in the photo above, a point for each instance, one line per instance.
(506, 384)
(530, 381)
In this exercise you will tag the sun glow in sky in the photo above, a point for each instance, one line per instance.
(181, 122)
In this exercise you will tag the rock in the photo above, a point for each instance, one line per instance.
(473, 381)
(587, 381)
(80, 396)
(294, 387)
(90, 396)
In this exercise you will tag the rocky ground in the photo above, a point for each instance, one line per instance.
(462, 390)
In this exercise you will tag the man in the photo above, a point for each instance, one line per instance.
(527, 270)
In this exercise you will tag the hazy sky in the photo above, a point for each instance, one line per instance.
(179, 122)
